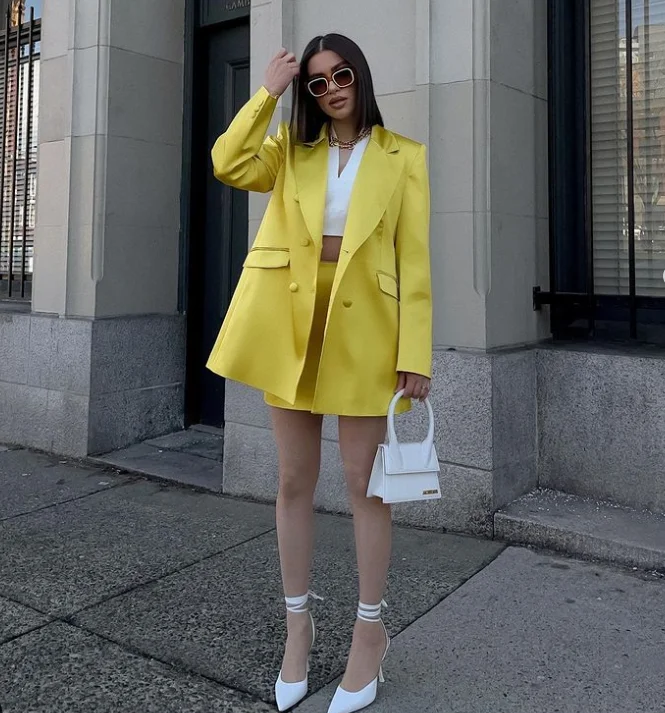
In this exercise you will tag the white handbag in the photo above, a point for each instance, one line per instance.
(405, 472)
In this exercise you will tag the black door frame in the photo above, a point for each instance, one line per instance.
(200, 16)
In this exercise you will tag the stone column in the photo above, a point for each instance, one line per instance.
(109, 162)
(519, 254)
(488, 151)
(106, 348)
(489, 176)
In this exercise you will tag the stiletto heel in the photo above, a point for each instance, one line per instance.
(288, 695)
(347, 701)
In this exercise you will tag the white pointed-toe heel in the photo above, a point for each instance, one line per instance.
(288, 695)
(347, 701)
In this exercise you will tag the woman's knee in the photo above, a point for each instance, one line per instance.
(357, 478)
(296, 484)
(358, 440)
(298, 438)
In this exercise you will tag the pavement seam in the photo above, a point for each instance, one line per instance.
(452, 591)
(104, 462)
(151, 477)
(65, 502)
(69, 620)
(26, 632)
(645, 574)
(11, 598)
(66, 618)
(177, 665)
(170, 449)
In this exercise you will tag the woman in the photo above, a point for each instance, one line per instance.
(332, 315)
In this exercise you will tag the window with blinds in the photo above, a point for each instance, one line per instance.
(627, 85)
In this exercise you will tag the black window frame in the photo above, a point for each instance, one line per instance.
(576, 311)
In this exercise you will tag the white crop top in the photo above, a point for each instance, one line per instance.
(338, 193)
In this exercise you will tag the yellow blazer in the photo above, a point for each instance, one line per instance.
(380, 314)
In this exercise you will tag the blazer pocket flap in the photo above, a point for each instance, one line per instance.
(267, 258)
(388, 284)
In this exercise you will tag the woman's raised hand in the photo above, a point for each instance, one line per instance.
(280, 72)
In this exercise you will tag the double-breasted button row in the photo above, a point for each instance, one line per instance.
(294, 287)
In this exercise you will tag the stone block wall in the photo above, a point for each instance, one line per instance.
(82, 386)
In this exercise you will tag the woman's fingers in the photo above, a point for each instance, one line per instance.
(415, 386)
(280, 72)
(410, 386)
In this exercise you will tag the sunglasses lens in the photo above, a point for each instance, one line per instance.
(318, 87)
(344, 77)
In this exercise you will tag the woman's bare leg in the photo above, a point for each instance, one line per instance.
(298, 438)
(358, 440)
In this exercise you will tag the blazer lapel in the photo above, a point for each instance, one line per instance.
(311, 169)
(374, 185)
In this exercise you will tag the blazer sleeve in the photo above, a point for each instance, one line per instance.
(413, 265)
(242, 156)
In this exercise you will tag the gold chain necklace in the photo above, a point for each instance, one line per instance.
(334, 141)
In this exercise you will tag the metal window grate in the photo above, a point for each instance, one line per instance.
(607, 170)
(19, 102)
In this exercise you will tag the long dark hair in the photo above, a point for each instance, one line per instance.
(306, 115)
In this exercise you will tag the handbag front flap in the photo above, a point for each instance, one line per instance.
(403, 458)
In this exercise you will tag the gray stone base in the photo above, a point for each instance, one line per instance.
(81, 386)
(601, 422)
(586, 528)
(192, 457)
(485, 437)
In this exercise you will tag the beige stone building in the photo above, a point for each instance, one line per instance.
(137, 248)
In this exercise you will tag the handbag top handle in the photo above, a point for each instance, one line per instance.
(392, 435)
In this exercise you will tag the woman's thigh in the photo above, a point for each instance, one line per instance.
(298, 438)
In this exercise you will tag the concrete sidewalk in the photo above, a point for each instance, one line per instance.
(126, 595)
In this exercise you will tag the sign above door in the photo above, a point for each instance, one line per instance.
(212, 12)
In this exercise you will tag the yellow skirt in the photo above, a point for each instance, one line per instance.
(307, 384)
(310, 372)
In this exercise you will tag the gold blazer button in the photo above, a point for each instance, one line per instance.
(305, 242)
(293, 287)
(347, 303)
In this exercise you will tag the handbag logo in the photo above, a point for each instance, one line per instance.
(430, 492)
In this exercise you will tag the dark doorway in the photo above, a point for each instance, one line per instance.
(216, 216)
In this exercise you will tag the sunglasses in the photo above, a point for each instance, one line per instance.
(342, 78)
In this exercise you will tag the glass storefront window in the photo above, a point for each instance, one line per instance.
(627, 78)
